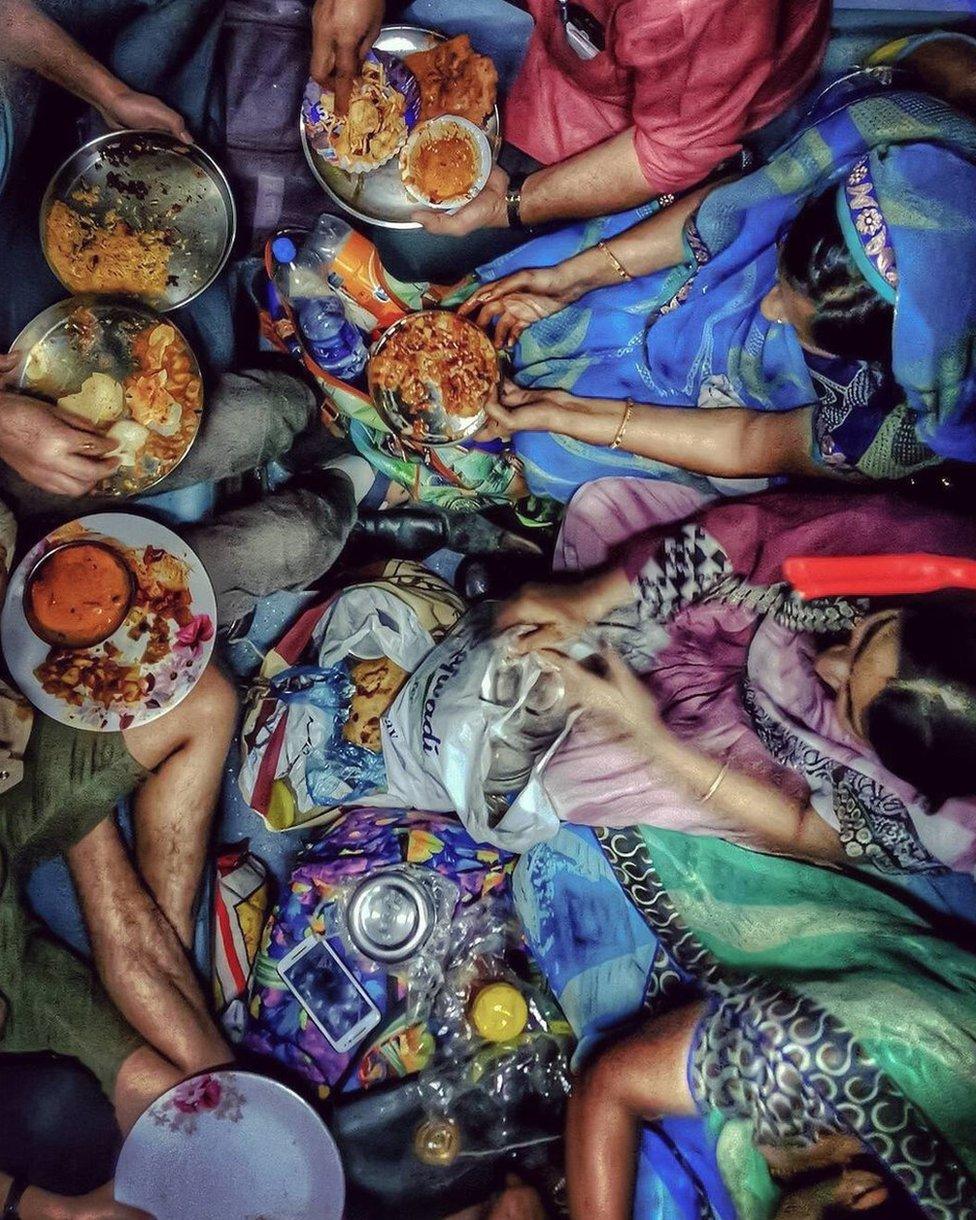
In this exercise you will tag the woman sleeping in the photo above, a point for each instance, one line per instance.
(834, 729)
(799, 1039)
(801, 303)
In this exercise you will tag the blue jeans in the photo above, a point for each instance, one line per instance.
(162, 47)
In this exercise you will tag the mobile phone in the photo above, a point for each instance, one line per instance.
(329, 992)
(583, 32)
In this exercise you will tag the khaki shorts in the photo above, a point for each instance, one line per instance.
(72, 781)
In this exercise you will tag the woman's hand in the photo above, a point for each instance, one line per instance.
(557, 612)
(124, 108)
(52, 450)
(516, 301)
(609, 694)
(593, 420)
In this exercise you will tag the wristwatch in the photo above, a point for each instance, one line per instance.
(11, 1208)
(513, 201)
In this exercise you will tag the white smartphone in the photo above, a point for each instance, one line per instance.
(325, 987)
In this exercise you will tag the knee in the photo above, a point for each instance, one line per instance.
(213, 704)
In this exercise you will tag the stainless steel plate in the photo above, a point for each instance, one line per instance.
(439, 427)
(379, 197)
(151, 181)
(63, 345)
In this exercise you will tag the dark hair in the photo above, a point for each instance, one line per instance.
(923, 723)
(850, 319)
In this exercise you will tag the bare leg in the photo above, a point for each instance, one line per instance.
(185, 750)
(138, 956)
(636, 1079)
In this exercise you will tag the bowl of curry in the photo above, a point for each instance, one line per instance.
(445, 162)
(78, 594)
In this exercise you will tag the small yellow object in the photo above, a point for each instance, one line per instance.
(437, 1142)
(282, 808)
(499, 1013)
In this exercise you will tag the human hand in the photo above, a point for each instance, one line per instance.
(516, 1202)
(548, 410)
(124, 108)
(52, 450)
(487, 210)
(608, 694)
(101, 1205)
(8, 365)
(556, 612)
(516, 301)
(342, 33)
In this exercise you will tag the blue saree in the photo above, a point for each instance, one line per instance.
(693, 334)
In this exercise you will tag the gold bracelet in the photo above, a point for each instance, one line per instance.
(620, 269)
(628, 411)
(716, 783)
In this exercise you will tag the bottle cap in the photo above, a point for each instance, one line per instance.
(283, 249)
(437, 1141)
(499, 1012)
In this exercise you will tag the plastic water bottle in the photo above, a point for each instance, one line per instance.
(352, 265)
(331, 339)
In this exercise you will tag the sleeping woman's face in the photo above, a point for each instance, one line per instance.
(860, 669)
(790, 307)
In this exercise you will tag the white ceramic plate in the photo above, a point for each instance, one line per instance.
(233, 1146)
(174, 677)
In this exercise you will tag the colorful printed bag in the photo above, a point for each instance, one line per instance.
(363, 841)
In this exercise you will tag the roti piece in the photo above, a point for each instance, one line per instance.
(377, 684)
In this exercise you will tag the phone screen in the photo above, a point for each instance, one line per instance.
(329, 992)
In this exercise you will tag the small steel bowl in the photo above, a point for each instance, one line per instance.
(60, 639)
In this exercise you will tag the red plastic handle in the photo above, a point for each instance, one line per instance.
(878, 575)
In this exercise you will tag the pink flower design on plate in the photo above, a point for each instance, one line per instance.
(197, 631)
(201, 1093)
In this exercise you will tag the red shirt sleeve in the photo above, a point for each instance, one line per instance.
(701, 72)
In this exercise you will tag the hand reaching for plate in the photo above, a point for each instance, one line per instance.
(125, 108)
(342, 32)
(54, 451)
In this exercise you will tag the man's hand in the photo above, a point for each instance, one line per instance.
(342, 32)
(609, 694)
(486, 211)
(123, 108)
(52, 450)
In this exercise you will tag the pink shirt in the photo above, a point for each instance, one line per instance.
(691, 77)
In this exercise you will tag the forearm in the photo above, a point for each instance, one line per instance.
(35, 1204)
(602, 180)
(34, 41)
(752, 809)
(732, 442)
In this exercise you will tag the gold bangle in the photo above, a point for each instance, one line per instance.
(618, 266)
(716, 783)
(628, 411)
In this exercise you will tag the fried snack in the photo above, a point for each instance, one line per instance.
(454, 79)
(163, 395)
(373, 130)
(443, 168)
(437, 355)
(100, 400)
(377, 684)
(108, 257)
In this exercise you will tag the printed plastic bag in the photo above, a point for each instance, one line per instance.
(472, 731)
(311, 737)
(241, 901)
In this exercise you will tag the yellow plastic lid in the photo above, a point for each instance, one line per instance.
(499, 1012)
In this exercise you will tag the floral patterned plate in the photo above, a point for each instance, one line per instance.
(234, 1145)
(152, 661)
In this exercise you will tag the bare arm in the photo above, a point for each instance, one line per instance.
(32, 40)
(637, 1079)
(649, 246)
(731, 442)
(37, 1204)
